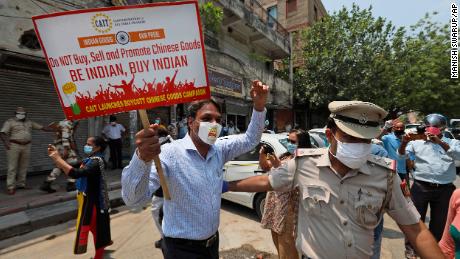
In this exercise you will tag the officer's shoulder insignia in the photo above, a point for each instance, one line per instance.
(383, 162)
(300, 152)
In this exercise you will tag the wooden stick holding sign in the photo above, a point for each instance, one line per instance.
(156, 159)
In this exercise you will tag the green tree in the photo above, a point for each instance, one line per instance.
(421, 79)
(212, 16)
(352, 55)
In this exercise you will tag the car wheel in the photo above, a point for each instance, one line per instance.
(259, 204)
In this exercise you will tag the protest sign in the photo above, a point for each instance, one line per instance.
(116, 59)
(110, 60)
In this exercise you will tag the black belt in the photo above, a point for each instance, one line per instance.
(433, 184)
(19, 142)
(206, 243)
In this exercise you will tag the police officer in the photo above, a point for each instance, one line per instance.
(66, 146)
(344, 190)
(16, 135)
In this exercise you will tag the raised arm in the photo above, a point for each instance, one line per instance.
(384, 130)
(244, 143)
(60, 163)
(402, 149)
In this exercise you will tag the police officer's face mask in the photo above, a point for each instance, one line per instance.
(353, 155)
(20, 116)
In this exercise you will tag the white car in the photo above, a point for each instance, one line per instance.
(319, 136)
(247, 165)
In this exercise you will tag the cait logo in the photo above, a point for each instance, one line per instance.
(212, 132)
(101, 22)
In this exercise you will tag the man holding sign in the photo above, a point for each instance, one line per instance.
(193, 169)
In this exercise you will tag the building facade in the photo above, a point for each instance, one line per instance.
(296, 15)
(241, 51)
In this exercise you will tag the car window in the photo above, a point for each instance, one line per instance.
(252, 155)
(314, 142)
(324, 138)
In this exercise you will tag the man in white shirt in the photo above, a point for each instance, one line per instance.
(232, 129)
(114, 132)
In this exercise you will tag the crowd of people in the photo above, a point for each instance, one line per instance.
(131, 90)
(321, 202)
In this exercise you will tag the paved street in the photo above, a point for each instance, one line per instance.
(134, 234)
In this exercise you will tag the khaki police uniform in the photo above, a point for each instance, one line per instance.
(337, 215)
(20, 135)
(64, 143)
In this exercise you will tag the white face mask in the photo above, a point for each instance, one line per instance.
(20, 116)
(209, 132)
(353, 155)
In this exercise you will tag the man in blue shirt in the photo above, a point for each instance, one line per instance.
(392, 142)
(193, 169)
(434, 171)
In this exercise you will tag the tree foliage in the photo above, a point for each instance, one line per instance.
(352, 55)
(212, 16)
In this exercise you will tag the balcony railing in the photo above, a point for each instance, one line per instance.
(255, 7)
(263, 17)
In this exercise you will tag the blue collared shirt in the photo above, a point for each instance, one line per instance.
(432, 163)
(195, 183)
(392, 143)
(378, 150)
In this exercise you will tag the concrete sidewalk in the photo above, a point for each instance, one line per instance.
(32, 208)
(34, 197)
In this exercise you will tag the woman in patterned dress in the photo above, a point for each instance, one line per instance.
(280, 213)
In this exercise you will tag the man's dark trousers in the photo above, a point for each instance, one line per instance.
(174, 248)
(438, 196)
(115, 152)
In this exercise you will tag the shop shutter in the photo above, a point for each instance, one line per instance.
(36, 93)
